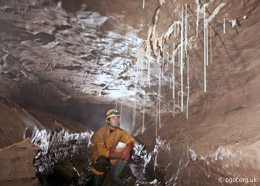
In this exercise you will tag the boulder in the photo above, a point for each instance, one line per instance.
(16, 162)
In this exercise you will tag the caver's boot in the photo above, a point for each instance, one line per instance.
(97, 180)
(116, 173)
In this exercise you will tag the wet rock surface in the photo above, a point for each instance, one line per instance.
(64, 63)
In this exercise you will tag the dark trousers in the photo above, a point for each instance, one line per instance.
(103, 163)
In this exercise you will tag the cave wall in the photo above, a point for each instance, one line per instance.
(67, 70)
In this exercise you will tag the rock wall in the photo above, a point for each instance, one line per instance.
(16, 162)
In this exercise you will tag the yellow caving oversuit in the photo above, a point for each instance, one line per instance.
(105, 152)
(104, 141)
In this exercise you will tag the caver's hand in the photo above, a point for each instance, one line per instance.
(126, 152)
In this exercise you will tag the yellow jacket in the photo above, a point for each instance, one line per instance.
(104, 141)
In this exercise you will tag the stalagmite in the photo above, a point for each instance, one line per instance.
(198, 15)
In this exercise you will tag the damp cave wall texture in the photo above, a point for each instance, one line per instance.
(182, 72)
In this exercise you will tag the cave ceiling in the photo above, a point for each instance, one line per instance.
(122, 51)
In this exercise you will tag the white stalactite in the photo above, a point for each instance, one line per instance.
(149, 72)
(179, 95)
(178, 30)
(170, 83)
(154, 38)
(148, 53)
(215, 12)
(134, 116)
(179, 58)
(142, 67)
(161, 2)
(156, 117)
(173, 76)
(210, 44)
(157, 105)
(134, 108)
(181, 67)
(224, 25)
(198, 15)
(186, 28)
(173, 109)
(143, 117)
(207, 42)
(157, 45)
(175, 30)
(188, 87)
(159, 102)
(234, 22)
(205, 55)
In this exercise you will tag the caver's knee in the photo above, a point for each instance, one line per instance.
(101, 164)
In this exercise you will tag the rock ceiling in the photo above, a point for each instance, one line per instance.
(124, 51)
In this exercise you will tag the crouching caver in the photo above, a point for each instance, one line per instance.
(105, 152)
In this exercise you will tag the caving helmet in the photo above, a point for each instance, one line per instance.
(112, 112)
